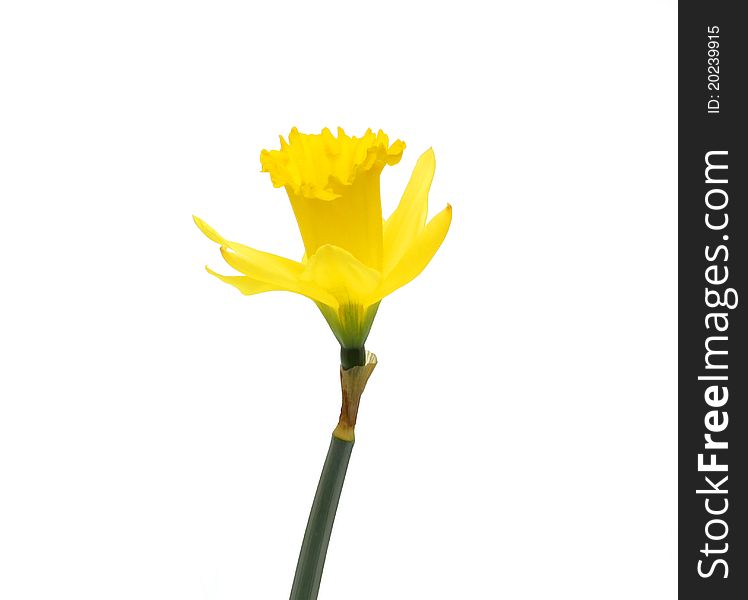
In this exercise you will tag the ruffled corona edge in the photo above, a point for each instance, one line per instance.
(319, 165)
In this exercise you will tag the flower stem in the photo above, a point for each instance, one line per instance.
(319, 527)
(352, 357)
(356, 366)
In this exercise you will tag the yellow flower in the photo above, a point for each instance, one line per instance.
(353, 257)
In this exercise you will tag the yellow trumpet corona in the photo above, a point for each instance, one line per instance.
(353, 258)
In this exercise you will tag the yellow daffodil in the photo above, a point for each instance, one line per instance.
(353, 258)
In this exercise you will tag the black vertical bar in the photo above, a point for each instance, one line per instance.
(712, 270)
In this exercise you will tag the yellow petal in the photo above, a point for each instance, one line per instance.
(209, 232)
(279, 279)
(246, 285)
(317, 165)
(341, 274)
(333, 185)
(418, 255)
(291, 267)
(409, 218)
(264, 268)
(353, 221)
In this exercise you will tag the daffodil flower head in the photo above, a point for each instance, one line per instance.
(353, 258)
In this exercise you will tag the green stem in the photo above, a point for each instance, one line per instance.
(319, 527)
(352, 357)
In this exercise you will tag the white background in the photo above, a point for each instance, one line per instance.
(161, 435)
